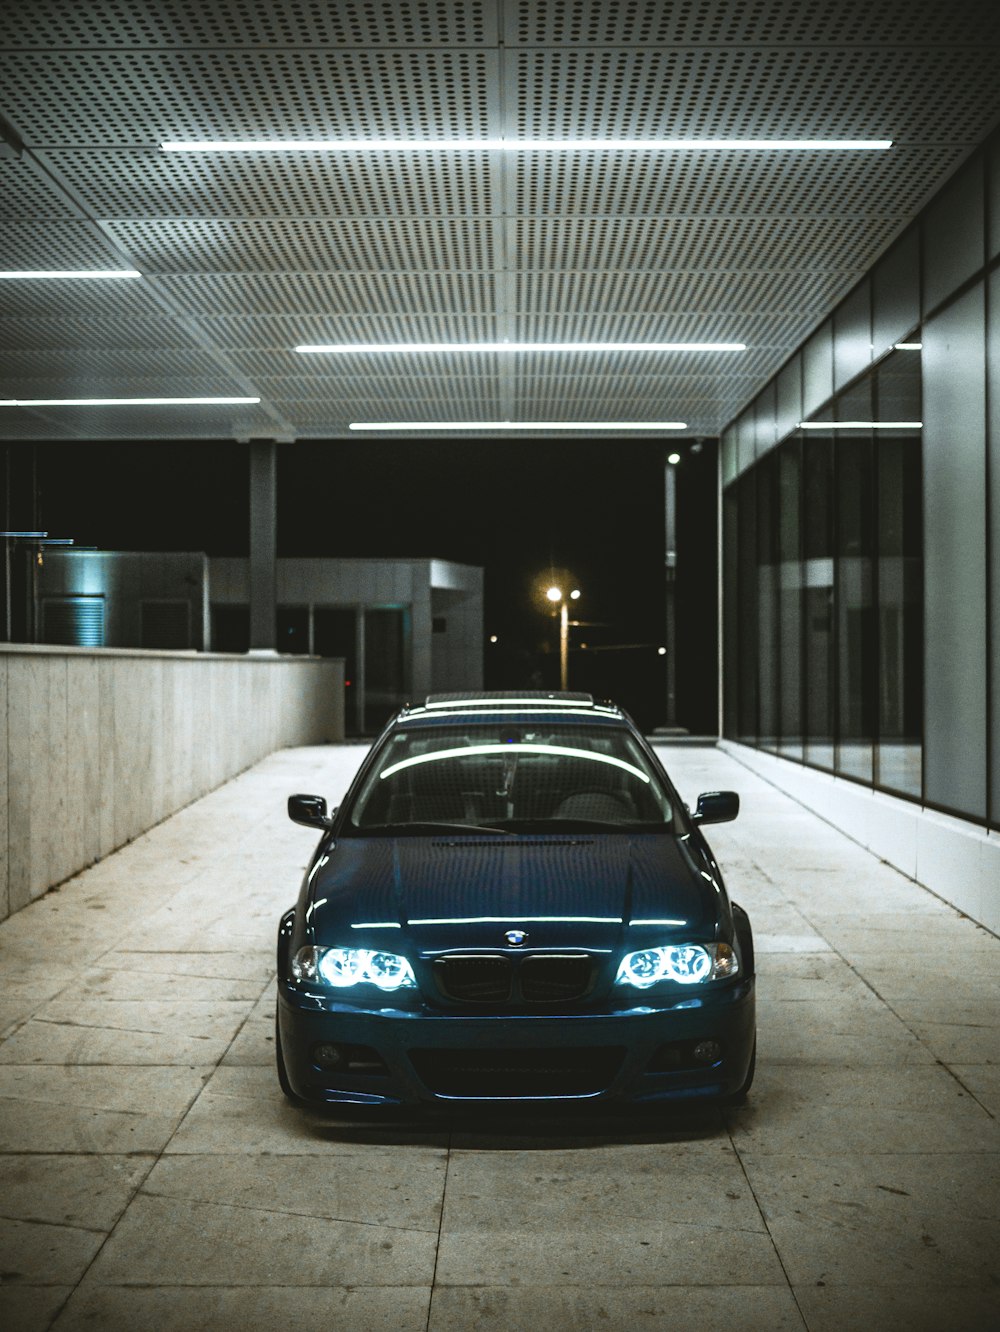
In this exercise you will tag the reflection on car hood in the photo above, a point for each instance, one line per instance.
(575, 891)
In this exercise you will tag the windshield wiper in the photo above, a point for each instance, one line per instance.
(587, 825)
(395, 829)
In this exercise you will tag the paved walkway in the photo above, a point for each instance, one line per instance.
(152, 1176)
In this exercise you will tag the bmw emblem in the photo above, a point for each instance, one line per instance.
(515, 937)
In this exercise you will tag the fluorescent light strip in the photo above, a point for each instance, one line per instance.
(860, 425)
(907, 346)
(124, 402)
(383, 348)
(60, 274)
(523, 145)
(518, 425)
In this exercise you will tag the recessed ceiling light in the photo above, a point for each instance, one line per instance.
(860, 425)
(518, 425)
(414, 348)
(63, 274)
(522, 145)
(125, 402)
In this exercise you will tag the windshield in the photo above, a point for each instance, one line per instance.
(511, 778)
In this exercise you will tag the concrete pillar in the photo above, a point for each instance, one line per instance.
(263, 544)
(670, 577)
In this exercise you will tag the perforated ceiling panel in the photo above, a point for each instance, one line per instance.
(244, 257)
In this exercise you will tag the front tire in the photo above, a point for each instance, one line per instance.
(739, 1096)
(279, 1059)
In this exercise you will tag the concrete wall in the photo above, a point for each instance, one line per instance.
(952, 857)
(97, 746)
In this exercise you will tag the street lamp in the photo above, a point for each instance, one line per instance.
(555, 594)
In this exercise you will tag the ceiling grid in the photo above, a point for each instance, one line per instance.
(244, 256)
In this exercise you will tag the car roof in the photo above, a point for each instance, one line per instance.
(553, 704)
(509, 698)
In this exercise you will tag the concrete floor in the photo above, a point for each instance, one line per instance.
(151, 1174)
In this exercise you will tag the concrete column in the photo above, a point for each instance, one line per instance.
(19, 513)
(360, 702)
(670, 581)
(263, 544)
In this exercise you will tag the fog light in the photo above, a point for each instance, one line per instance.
(331, 1055)
(708, 1052)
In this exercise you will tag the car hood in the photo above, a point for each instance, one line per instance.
(576, 891)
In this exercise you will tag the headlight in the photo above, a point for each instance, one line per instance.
(686, 963)
(343, 967)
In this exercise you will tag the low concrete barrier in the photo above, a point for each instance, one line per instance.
(956, 859)
(98, 745)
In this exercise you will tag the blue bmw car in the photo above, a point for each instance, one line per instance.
(513, 905)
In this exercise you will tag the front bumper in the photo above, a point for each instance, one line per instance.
(632, 1054)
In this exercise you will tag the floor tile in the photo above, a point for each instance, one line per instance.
(882, 1220)
(27, 1308)
(160, 1091)
(220, 1019)
(32, 1126)
(600, 1188)
(604, 1254)
(167, 1241)
(399, 1188)
(799, 1128)
(913, 1308)
(260, 1309)
(86, 1191)
(39, 1254)
(610, 1308)
(49, 1042)
(983, 1081)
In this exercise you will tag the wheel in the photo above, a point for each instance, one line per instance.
(279, 1059)
(744, 935)
(739, 1096)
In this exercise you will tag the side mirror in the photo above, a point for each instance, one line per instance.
(309, 810)
(716, 807)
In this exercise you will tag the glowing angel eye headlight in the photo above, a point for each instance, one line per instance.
(344, 967)
(687, 964)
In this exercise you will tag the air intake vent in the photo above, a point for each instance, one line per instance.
(78, 621)
(475, 979)
(535, 978)
(501, 1073)
(554, 979)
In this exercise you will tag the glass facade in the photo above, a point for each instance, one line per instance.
(861, 524)
(823, 607)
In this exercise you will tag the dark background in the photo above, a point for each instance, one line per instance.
(591, 512)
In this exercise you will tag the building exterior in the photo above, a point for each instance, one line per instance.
(115, 598)
(405, 628)
(402, 627)
(861, 543)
